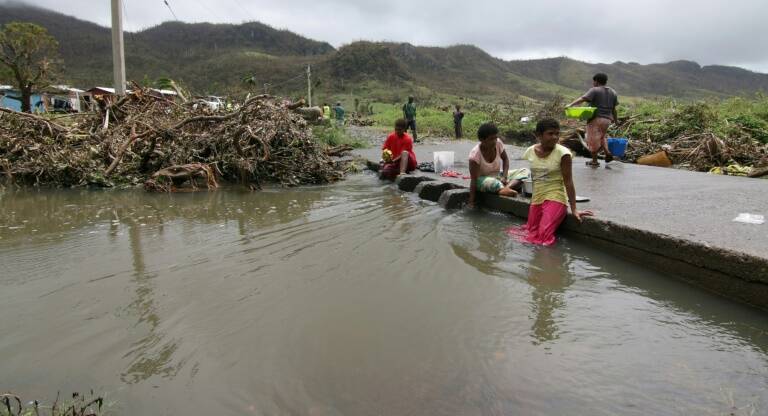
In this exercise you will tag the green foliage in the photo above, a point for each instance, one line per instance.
(332, 136)
(30, 53)
(434, 120)
(660, 120)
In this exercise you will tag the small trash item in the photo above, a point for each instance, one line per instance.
(617, 146)
(749, 218)
(525, 120)
(450, 174)
(732, 170)
(443, 161)
(386, 155)
(580, 198)
(659, 159)
(426, 167)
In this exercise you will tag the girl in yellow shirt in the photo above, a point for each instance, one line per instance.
(553, 189)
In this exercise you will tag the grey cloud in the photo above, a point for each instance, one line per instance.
(706, 31)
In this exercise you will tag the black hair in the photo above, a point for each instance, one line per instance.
(401, 123)
(546, 124)
(600, 78)
(487, 130)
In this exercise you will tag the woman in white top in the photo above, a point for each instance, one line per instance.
(486, 160)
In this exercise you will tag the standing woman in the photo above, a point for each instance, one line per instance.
(553, 189)
(605, 99)
(458, 116)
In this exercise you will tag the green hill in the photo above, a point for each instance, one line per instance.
(214, 58)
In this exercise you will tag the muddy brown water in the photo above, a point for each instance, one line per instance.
(350, 299)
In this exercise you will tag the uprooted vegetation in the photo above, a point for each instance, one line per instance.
(78, 405)
(699, 136)
(144, 139)
(729, 137)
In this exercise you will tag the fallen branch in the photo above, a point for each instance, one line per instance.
(50, 124)
(758, 172)
(339, 150)
(121, 151)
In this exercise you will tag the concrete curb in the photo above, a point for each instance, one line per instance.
(408, 183)
(728, 273)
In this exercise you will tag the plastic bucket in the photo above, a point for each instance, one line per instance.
(443, 161)
(528, 186)
(581, 113)
(617, 146)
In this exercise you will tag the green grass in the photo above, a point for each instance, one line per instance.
(331, 136)
(433, 121)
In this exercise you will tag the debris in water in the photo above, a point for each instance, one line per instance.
(749, 218)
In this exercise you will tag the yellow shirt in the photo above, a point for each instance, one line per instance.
(547, 176)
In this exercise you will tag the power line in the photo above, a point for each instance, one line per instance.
(208, 10)
(169, 8)
(302, 75)
(248, 13)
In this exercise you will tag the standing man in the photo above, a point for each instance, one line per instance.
(606, 100)
(458, 116)
(339, 110)
(409, 113)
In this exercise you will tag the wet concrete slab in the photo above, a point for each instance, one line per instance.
(673, 219)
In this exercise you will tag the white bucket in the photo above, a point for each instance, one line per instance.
(528, 186)
(443, 161)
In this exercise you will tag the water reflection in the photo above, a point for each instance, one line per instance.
(147, 359)
(364, 302)
(51, 214)
(549, 276)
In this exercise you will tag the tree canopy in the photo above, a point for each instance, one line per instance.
(31, 56)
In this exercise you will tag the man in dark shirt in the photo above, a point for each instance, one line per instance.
(606, 100)
(458, 116)
(409, 113)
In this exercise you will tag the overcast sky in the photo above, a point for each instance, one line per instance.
(724, 32)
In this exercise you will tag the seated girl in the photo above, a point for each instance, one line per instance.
(401, 158)
(486, 160)
(553, 189)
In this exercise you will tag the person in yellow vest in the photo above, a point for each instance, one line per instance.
(326, 113)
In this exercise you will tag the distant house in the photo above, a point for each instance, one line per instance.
(53, 98)
(168, 94)
(108, 94)
(10, 97)
(66, 98)
(103, 93)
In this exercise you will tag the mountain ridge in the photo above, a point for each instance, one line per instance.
(214, 58)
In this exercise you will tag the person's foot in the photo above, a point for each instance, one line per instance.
(593, 164)
(608, 158)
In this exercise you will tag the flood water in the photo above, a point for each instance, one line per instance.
(350, 299)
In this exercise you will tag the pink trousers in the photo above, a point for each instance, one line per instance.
(543, 220)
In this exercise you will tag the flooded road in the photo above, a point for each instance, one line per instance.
(350, 299)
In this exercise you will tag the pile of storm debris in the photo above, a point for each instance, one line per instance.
(143, 139)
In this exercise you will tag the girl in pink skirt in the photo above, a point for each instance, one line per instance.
(553, 189)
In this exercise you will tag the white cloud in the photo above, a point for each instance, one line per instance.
(706, 31)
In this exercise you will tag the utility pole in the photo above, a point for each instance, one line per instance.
(118, 50)
(309, 86)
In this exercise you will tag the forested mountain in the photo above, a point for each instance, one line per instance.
(215, 58)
